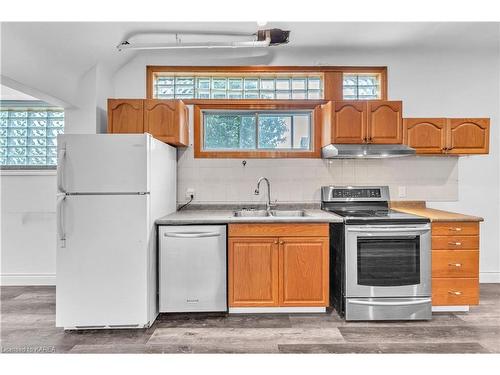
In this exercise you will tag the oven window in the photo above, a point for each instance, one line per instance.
(389, 261)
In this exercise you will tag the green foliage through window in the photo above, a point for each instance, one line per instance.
(248, 130)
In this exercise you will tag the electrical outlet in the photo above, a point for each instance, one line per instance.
(189, 192)
(402, 191)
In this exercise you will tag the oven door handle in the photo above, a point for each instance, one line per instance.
(419, 302)
(389, 230)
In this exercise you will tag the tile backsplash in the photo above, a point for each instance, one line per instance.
(299, 180)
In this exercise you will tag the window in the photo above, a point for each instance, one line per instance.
(28, 134)
(361, 86)
(250, 130)
(195, 84)
(242, 86)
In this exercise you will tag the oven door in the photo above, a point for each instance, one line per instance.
(388, 260)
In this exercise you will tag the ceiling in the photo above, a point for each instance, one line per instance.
(6, 93)
(80, 45)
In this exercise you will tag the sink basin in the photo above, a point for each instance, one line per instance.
(288, 213)
(251, 213)
(264, 213)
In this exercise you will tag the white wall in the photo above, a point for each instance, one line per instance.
(431, 82)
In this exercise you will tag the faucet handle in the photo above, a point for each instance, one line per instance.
(273, 204)
(256, 192)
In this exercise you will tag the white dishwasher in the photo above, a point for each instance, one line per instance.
(192, 268)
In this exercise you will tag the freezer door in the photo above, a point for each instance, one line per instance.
(103, 163)
(102, 264)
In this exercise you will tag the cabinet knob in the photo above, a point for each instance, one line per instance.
(276, 242)
(455, 264)
(455, 292)
(282, 242)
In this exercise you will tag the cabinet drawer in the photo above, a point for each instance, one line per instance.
(276, 230)
(453, 292)
(453, 228)
(455, 263)
(455, 242)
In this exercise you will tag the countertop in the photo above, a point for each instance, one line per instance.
(420, 209)
(222, 216)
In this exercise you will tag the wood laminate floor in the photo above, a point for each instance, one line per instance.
(28, 325)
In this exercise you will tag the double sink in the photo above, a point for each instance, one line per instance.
(270, 213)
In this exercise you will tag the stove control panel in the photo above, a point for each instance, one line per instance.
(356, 193)
(351, 193)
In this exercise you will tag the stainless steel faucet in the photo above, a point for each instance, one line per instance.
(269, 205)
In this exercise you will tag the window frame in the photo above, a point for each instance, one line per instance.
(332, 77)
(259, 105)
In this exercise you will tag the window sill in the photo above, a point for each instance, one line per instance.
(30, 171)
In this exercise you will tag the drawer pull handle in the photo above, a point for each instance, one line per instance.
(455, 243)
(455, 264)
(455, 293)
(456, 229)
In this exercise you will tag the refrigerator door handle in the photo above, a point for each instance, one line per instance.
(60, 220)
(61, 155)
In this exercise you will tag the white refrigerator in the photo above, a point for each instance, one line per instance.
(111, 189)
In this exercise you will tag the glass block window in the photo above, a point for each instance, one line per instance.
(28, 135)
(361, 86)
(249, 86)
(253, 131)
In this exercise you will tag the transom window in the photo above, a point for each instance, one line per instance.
(237, 86)
(361, 86)
(28, 133)
(257, 130)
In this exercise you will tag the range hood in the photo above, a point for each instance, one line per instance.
(365, 151)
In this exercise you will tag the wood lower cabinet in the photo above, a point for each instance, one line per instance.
(437, 136)
(303, 264)
(385, 122)
(253, 272)
(277, 265)
(455, 263)
(166, 120)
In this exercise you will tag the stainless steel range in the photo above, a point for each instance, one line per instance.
(380, 258)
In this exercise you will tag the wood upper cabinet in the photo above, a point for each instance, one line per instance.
(349, 122)
(447, 135)
(425, 135)
(362, 121)
(166, 120)
(468, 136)
(275, 269)
(303, 265)
(253, 272)
(385, 122)
(125, 116)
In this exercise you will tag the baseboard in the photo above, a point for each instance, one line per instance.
(21, 279)
(489, 277)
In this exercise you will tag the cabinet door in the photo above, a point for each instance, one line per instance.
(253, 272)
(166, 120)
(304, 271)
(468, 136)
(426, 135)
(385, 123)
(125, 116)
(349, 122)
